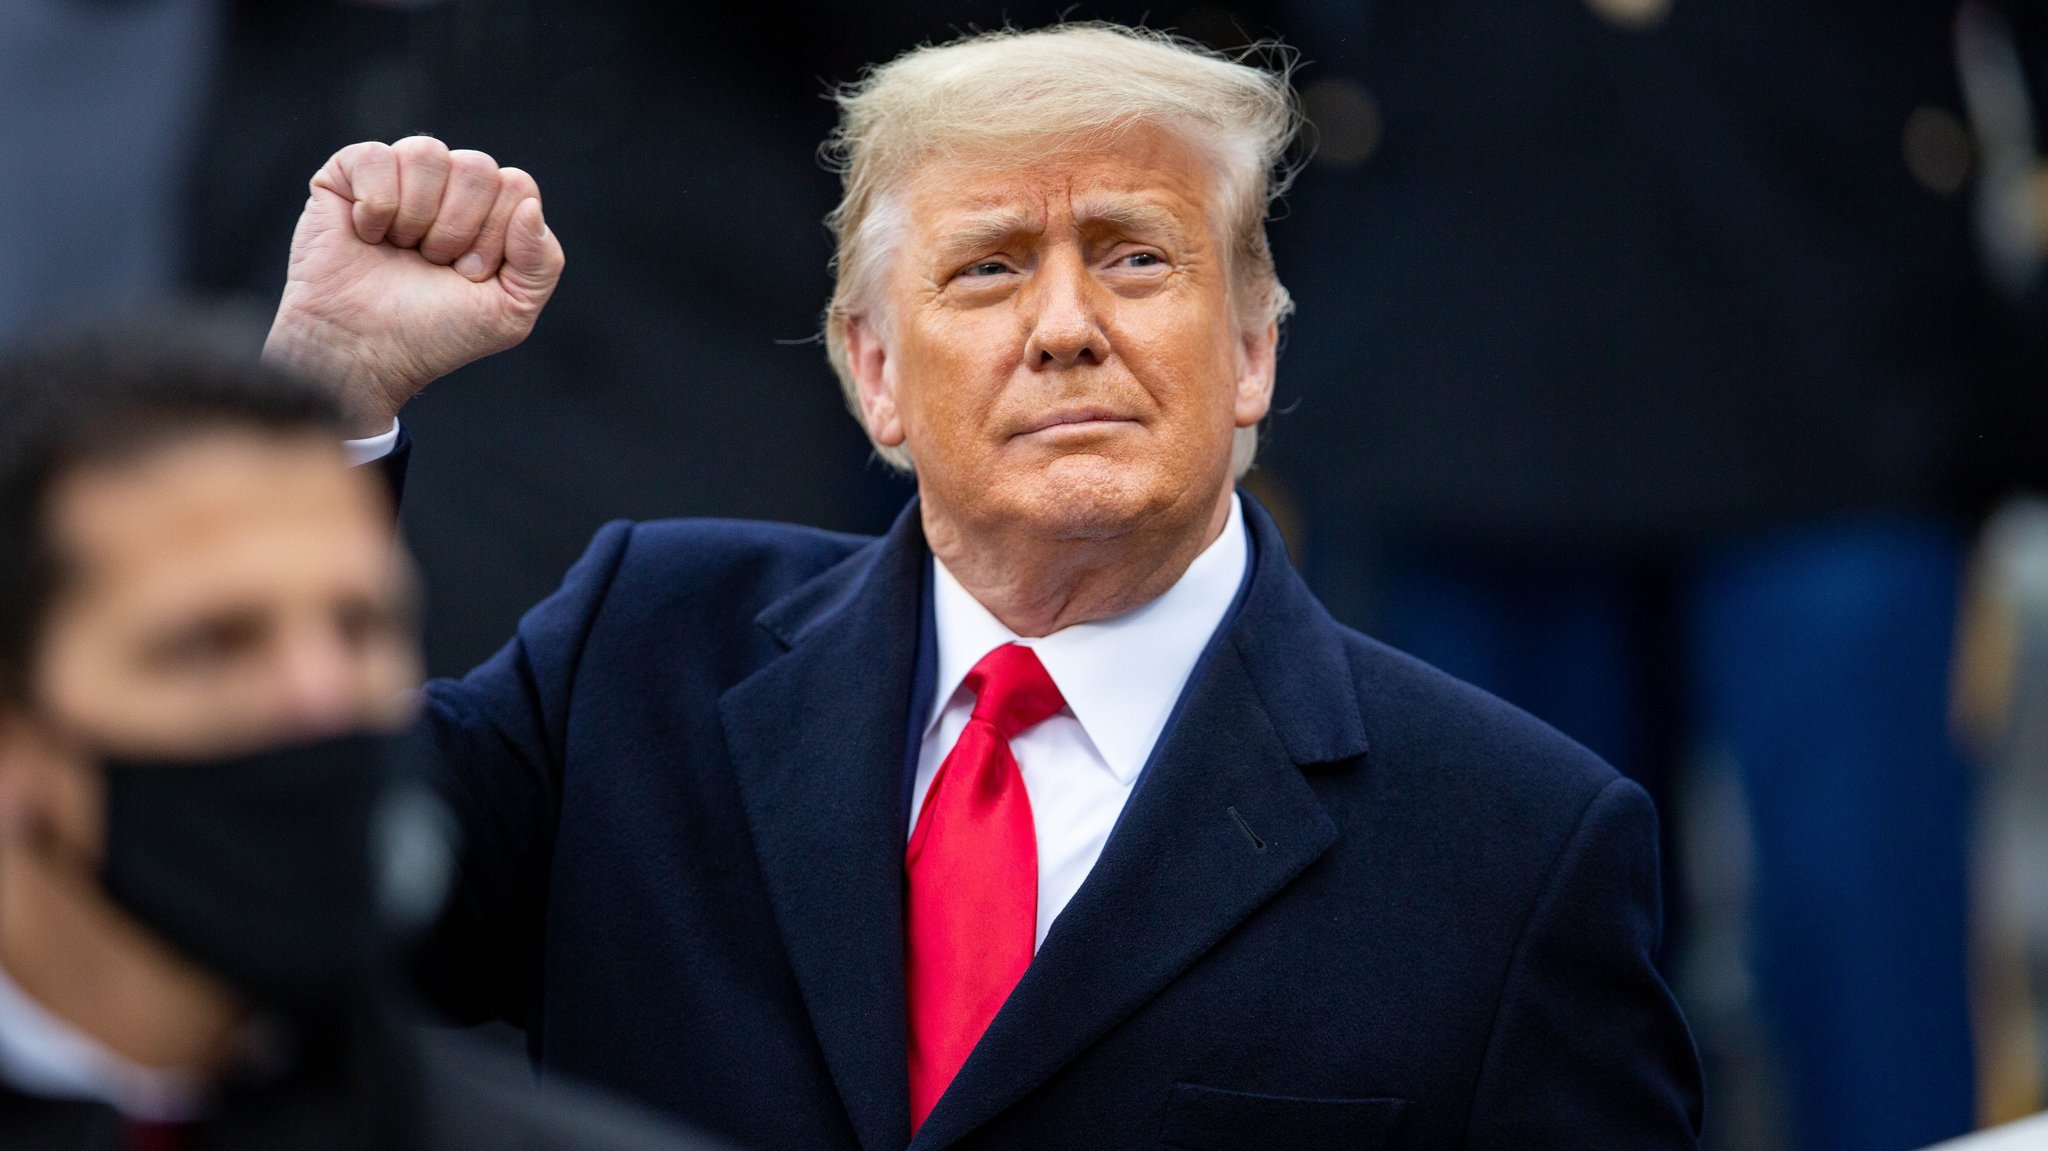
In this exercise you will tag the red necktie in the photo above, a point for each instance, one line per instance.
(972, 917)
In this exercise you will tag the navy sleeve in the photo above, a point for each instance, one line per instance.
(496, 741)
(1588, 1047)
(393, 465)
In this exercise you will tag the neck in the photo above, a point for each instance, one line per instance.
(1038, 585)
(66, 946)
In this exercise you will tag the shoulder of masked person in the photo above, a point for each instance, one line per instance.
(475, 1095)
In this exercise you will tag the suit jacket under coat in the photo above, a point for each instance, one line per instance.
(1353, 903)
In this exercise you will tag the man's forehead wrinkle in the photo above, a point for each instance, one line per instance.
(972, 229)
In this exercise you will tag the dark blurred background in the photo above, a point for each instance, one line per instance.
(1659, 366)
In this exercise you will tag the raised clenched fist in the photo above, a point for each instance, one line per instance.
(410, 261)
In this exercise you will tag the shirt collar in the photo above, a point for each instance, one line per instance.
(1120, 676)
(42, 1055)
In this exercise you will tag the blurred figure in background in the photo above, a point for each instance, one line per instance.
(210, 847)
(1643, 351)
(2001, 707)
(103, 101)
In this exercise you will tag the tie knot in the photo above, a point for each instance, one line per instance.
(1012, 690)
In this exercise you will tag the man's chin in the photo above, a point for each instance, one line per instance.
(1080, 496)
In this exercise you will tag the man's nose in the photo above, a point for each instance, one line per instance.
(1066, 323)
(318, 685)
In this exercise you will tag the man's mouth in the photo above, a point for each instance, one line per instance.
(1076, 420)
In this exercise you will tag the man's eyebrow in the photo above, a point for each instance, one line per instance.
(981, 231)
(978, 232)
(1137, 218)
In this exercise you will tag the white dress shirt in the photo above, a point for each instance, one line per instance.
(372, 449)
(44, 1056)
(1121, 678)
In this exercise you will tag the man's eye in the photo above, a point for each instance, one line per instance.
(362, 624)
(985, 268)
(1143, 259)
(206, 646)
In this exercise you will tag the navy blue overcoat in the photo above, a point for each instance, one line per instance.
(1352, 904)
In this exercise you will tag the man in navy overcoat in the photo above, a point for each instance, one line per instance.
(1061, 816)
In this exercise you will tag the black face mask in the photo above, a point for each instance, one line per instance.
(293, 874)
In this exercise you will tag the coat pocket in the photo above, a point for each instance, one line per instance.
(1212, 1119)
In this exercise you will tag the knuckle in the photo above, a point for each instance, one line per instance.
(472, 162)
(422, 149)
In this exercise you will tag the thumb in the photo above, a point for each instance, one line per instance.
(327, 213)
(533, 256)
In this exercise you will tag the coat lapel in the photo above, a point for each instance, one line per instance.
(1221, 822)
(817, 739)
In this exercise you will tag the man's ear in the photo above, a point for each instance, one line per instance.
(21, 755)
(1257, 354)
(49, 794)
(874, 378)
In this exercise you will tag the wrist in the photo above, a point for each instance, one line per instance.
(367, 425)
(365, 393)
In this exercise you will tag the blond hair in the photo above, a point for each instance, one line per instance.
(999, 93)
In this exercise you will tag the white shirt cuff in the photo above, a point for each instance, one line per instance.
(371, 450)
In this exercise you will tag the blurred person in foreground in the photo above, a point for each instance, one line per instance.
(210, 843)
(1061, 815)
